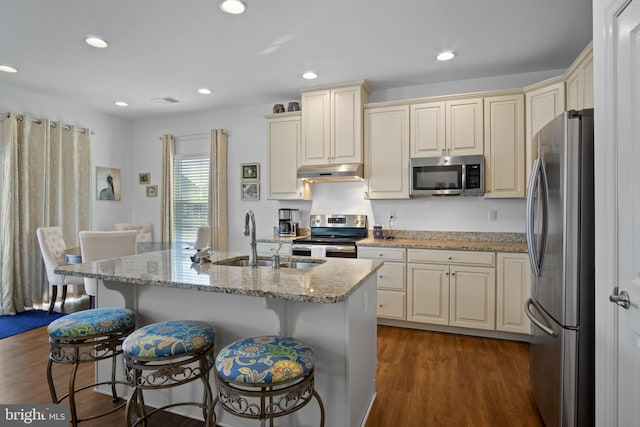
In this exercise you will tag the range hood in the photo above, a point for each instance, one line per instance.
(344, 172)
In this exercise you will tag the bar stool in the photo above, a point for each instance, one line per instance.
(265, 377)
(163, 355)
(87, 337)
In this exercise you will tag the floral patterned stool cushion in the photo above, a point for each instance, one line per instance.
(170, 338)
(88, 323)
(265, 377)
(264, 360)
(168, 354)
(86, 337)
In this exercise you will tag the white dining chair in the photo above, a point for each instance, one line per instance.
(99, 245)
(52, 247)
(203, 238)
(144, 230)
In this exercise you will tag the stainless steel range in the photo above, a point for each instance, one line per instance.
(332, 236)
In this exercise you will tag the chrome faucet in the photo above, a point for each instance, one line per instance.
(275, 258)
(253, 255)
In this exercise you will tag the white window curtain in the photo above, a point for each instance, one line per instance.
(217, 198)
(45, 182)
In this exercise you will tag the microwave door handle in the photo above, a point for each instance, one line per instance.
(530, 217)
(547, 329)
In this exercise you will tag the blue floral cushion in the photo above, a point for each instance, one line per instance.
(264, 360)
(170, 338)
(88, 323)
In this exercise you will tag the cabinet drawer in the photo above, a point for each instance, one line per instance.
(381, 253)
(391, 304)
(452, 257)
(264, 248)
(392, 276)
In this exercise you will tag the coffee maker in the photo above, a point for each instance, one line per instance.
(286, 225)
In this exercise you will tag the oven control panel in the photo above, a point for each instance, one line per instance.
(338, 221)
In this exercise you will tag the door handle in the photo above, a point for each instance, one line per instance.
(622, 298)
(532, 317)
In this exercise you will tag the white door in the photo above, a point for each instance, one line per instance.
(628, 128)
(622, 137)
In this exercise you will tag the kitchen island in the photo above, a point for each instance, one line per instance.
(330, 306)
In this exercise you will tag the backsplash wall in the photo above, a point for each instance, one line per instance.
(425, 213)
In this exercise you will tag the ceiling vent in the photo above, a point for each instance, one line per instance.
(165, 100)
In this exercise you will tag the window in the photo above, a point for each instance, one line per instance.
(190, 196)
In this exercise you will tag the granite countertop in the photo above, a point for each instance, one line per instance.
(451, 240)
(329, 282)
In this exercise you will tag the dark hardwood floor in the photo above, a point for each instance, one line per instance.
(423, 379)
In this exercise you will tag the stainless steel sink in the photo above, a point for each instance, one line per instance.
(266, 262)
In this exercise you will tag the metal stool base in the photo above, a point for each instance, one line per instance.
(146, 373)
(266, 402)
(77, 350)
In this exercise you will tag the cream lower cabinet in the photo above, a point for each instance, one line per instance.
(513, 287)
(391, 292)
(455, 288)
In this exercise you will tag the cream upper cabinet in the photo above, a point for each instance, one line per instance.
(282, 158)
(464, 133)
(386, 135)
(332, 124)
(428, 129)
(513, 288)
(543, 102)
(447, 128)
(580, 81)
(504, 146)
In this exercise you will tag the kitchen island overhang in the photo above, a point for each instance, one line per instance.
(331, 307)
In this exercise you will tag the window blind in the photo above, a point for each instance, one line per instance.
(190, 197)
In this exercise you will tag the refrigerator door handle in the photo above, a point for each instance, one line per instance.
(533, 318)
(538, 177)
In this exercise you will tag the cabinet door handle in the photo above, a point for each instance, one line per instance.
(380, 276)
(449, 257)
(443, 151)
(453, 274)
(446, 274)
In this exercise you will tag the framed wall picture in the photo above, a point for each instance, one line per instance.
(152, 191)
(250, 171)
(250, 191)
(144, 178)
(107, 183)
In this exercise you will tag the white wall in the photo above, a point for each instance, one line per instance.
(110, 143)
(135, 147)
(248, 143)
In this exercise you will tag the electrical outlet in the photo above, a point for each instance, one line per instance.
(493, 215)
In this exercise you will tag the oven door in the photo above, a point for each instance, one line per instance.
(332, 251)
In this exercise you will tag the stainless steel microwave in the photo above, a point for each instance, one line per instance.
(447, 176)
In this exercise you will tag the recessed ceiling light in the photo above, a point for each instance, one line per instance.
(235, 7)
(121, 104)
(8, 69)
(309, 75)
(445, 56)
(204, 91)
(96, 42)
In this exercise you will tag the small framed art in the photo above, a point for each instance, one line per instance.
(144, 178)
(250, 171)
(250, 191)
(152, 191)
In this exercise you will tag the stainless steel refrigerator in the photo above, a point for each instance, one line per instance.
(560, 236)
